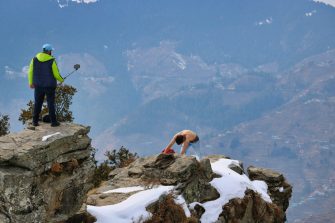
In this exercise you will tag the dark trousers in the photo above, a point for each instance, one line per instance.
(39, 95)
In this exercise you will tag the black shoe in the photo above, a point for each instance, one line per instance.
(55, 124)
(35, 124)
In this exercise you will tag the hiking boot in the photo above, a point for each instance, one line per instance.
(35, 124)
(55, 124)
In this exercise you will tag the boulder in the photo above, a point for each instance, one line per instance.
(191, 176)
(237, 168)
(251, 209)
(279, 189)
(192, 180)
(44, 173)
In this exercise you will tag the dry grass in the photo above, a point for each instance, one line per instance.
(167, 211)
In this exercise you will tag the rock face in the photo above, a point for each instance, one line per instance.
(44, 181)
(191, 176)
(252, 208)
(192, 180)
(278, 188)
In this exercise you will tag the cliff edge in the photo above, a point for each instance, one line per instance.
(175, 188)
(45, 173)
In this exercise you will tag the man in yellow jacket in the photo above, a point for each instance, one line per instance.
(43, 75)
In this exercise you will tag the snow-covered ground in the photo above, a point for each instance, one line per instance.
(230, 185)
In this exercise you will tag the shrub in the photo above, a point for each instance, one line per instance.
(115, 159)
(165, 210)
(4, 125)
(63, 100)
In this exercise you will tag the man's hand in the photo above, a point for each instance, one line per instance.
(32, 86)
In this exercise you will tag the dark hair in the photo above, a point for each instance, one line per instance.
(180, 139)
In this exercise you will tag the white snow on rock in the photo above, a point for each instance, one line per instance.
(125, 190)
(230, 185)
(327, 2)
(45, 138)
(129, 210)
(181, 201)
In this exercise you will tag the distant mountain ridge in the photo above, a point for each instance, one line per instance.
(295, 125)
(152, 68)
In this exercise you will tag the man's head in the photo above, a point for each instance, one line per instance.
(47, 48)
(180, 139)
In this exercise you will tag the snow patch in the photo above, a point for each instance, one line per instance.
(181, 201)
(45, 138)
(129, 210)
(230, 185)
(327, 2)
(125, 190)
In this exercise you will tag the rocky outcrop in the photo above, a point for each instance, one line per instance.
(279, 189)
(190, 176)
(45, 173)
(252, 209)
(191, 179)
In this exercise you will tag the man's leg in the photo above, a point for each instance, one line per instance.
(51, 104)
(39, 98)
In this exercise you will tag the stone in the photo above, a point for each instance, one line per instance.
(252, 209)
(44, 181)
(198, 211)
(56, 168)
(192, 180)
(274, 180)
(206, 167)
(269, 176)
(135, 172)
(199, 190)
(170, 168)
(236, 168)
(215, 157)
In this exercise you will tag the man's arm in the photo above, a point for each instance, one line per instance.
(56, 73)
(184, 148)
(173, 140)
(31, 73)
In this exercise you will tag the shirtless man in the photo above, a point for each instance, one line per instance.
(185, 137)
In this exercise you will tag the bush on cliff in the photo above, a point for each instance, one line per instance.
(166, 210)
(115, 159)
(4, 125)
(63, 100)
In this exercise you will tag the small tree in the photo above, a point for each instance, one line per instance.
(115, 159)
(63, 100)
(4, 125)
(121, 158)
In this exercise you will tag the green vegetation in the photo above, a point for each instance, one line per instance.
(63, 100)
(4, 124)
(115, 159)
